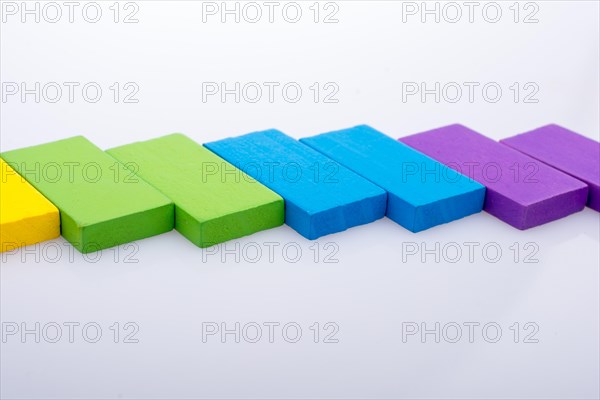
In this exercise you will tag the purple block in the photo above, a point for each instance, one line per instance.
(566, 150)
(521, 190)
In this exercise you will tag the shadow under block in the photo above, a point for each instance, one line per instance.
(26, 217)
(422, 193)
(102, 204)
(214, 201)
(521, 191)
(565, 150)
(321, 196)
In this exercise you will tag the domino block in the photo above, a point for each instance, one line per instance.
(565, 150)
(101, 204)
(422, 193)
(321, 196)
(521, 191)
(214, 201)
(26, 217)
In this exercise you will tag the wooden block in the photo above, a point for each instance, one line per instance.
(421, 192)
(565, 150)
(321, 196)
(520, 190)
(102, 204)
(214, 201)
(26, 217)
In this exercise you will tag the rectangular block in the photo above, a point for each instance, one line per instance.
(214, 201)
(321, 196)
(26, 217)
(565, 150)
(421, 192)
(520, 190)
(101, 202)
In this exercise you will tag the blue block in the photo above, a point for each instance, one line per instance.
(321, 196)
(421, 191)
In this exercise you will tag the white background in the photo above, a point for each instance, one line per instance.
(169, 288)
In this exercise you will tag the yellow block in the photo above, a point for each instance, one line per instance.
(26, 216)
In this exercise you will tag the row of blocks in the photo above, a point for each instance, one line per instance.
(318, 185)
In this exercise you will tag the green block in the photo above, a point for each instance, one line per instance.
(101, 202)
(214, 201)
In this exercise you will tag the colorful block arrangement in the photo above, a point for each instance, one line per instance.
(26, 217)
(214, 201)
(521, 191)
(102, 204)
(321, 196)
(421, 192)
(318, 185)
